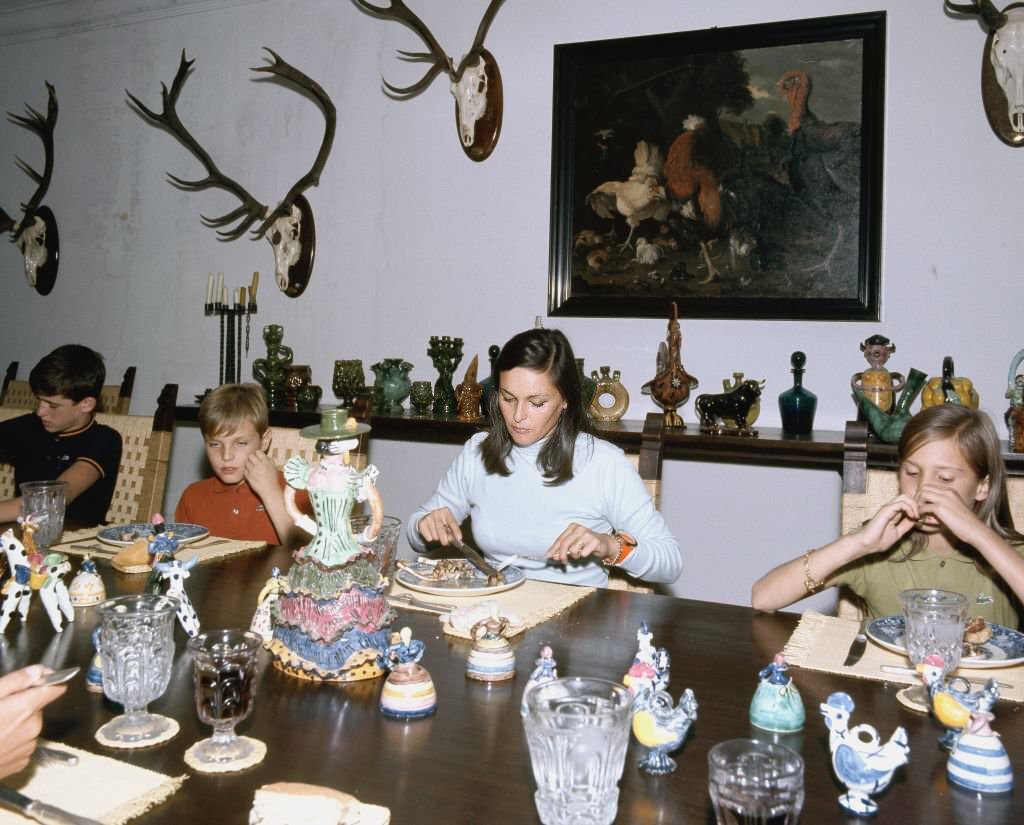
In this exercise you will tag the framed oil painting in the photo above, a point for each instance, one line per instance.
(735, 171)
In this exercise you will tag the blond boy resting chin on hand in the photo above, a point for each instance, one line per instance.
(244, 499)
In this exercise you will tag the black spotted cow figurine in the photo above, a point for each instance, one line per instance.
(734, 411)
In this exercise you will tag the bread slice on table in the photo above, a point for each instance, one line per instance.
(134, 558)
(299, 803)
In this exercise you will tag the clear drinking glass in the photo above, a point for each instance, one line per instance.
(136, 646)
(934, 624)
(385, 544)
(577, 730)
(45, 502)
(755, 783)
(224, 674)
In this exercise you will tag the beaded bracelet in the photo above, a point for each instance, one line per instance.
(810, 584)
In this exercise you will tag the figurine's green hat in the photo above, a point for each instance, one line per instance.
(334, 424)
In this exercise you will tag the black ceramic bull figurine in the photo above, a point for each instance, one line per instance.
(731, 412)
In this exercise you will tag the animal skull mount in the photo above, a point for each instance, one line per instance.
(1002, 66)
(36, 234)
(475, 83)
(289, 227)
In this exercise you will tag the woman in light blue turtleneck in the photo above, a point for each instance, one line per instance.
(541, 486)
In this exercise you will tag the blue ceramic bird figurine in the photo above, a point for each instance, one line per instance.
(859, 759)
(952, 700)
(661, 728)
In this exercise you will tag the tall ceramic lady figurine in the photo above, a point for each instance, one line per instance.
(776, 705)
(330, 620)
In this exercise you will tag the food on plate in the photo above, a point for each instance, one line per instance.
(977, 633)
(453, 570)
(299, 803)
(134, 558)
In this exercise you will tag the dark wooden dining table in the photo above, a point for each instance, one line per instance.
(469, 763)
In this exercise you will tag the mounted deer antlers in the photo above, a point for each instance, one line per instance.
(1002, 74)
(290, 223)
(475, 83)
(36, 233)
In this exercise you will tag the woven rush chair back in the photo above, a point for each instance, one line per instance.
(114, 398)
(881, 486)
(145, 454)
(7, 470)
(648, 462)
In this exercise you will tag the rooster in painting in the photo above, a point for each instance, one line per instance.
(638, 199)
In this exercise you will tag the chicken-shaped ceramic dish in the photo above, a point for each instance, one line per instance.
(860, 761)
(661, 728)
(952, 700)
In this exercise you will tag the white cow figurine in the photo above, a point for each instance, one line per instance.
(54, 592)
(175, 572)
(17, 592)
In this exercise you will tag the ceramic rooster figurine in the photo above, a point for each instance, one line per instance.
(670, 388)
(859, 759)
(952, 700)
(661, 728)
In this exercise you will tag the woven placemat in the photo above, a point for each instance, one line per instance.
(98, 787)
(207, 549)
(821, 642)
(533, 601)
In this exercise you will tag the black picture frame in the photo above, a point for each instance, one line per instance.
(795, 231)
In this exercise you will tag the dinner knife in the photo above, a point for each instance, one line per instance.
(477, 559)
(857, 648)
(40, 811)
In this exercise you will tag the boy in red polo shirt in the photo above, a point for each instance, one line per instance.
(244, 499)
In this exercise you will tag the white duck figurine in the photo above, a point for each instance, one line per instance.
(859, 759)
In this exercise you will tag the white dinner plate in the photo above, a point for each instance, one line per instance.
(1004, 649)
(474, 586)
(121, 535)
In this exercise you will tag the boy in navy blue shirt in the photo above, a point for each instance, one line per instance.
(61, 440)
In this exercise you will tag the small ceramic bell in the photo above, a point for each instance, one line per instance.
(546, 670)
(409, 691)
(979, 761)
(87, 587)
(492, 658)
(777, 706)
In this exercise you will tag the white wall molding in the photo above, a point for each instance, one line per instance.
(24, 21)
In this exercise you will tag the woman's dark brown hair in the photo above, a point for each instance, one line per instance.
(547, 351)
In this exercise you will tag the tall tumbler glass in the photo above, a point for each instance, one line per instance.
(755, 783)
(577, 730)
(45, 501)
(934, 624)
(136, 646)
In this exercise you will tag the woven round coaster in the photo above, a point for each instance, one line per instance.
(166, 736)
(256, 755)
(908, 697)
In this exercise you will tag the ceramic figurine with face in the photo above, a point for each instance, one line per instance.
(777, 705)
(174, 573)
(952, 699)
(17, 590)
(860, 760)
(53, 592)
(878, 384)
(643, 671)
